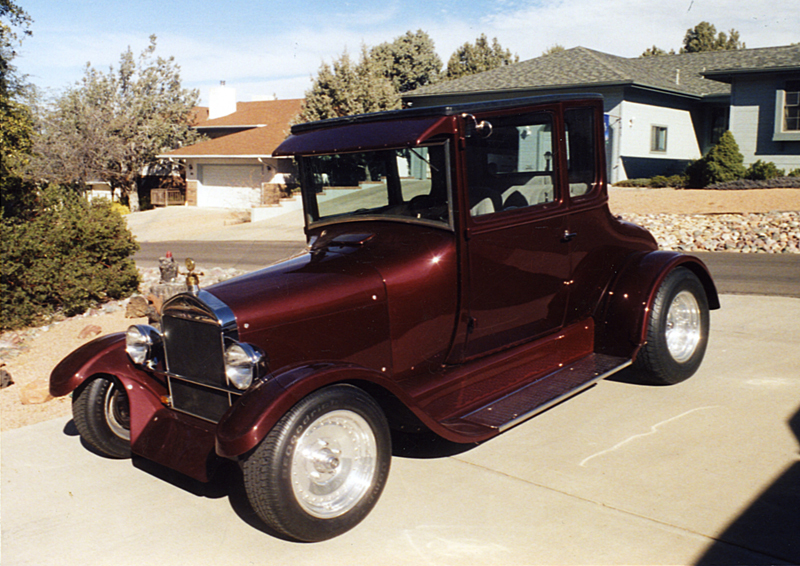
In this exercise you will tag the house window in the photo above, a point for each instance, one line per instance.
(658, 141)
(787, 112)
(791, 107)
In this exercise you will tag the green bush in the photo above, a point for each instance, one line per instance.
(676, 181)
(657, 182)
(763, 171)
(632, 183)
(724, 162)
(63, 256)
(794, 173)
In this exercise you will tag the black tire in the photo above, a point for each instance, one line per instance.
(322, 468)
(102, 416)
(677, 331)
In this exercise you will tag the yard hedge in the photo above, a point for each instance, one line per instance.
(63, 256)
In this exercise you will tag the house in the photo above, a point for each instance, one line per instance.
(234, 167)
(661, 112)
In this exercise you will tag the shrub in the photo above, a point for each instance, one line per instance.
(120, 208)
(632, 183)
(64, 256)
(724, 162)
(763, 171)
(794, 172)
(658, 182)
(676, 181)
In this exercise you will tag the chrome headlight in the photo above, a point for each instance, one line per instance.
(243, 364)
(142, 343)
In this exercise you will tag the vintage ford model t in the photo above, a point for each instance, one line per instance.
(463, 273)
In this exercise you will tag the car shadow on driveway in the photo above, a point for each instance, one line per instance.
(767, 532)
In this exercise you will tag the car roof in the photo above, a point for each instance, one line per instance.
(396, 128)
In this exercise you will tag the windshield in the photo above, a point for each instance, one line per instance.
(408, 184)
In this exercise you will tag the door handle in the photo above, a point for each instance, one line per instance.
(568, 236)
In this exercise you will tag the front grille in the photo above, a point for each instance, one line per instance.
(194, 336)
(194, 350)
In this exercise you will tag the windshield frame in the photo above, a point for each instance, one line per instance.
(310, 193)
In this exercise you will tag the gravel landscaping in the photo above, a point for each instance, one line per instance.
(776, 232)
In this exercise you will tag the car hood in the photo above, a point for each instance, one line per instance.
(344, 298)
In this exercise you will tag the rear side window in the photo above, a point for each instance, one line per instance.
(513, 166)
(581, 158)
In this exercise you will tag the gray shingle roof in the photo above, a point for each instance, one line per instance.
(579, 66)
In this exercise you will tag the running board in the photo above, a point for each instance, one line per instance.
(526, 402)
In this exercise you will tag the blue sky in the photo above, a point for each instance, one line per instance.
(265, 48)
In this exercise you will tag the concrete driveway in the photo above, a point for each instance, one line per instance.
(703, 472)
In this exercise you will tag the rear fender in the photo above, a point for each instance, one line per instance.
(251, 418)
(623, 314)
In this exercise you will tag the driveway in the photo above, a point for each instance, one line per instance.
(703, 472)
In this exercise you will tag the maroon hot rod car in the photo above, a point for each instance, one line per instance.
(463, 273)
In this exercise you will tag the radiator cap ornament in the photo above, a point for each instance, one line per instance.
(192, 277)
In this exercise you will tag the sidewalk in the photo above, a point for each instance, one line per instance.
(175, 223)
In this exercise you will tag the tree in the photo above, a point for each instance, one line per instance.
(345, 89)
(16, 124)
(555, 48)
(704, 37)
(16, 18)
(723, 163)
(470, 59)
(409, 61)
(110, 125)
(655, 51)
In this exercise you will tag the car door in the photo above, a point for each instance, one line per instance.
(518, 265)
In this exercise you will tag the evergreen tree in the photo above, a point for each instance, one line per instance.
(409, 61)
(704, 37)
(470, 59)
(555, 48)
(723, 163)
(345, 89)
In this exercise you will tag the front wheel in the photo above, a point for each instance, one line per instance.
(677, 330)
(102, 416)
(322, 468)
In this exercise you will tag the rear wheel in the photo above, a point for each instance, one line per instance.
(322, 468)
(102, 416)
(677, 330)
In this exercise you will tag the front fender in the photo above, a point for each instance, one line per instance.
(623, 314)
(106, 355)
(101, 355)
(251, 418)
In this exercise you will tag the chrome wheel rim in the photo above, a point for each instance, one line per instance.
(117, 413)
(684, 328)
(334, 464)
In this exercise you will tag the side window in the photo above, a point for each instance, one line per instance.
(513, 166)
(581, 159)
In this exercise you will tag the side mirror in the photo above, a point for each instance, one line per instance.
(482, 128)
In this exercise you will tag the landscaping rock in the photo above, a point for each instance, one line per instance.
(89, 331)
(35, 393)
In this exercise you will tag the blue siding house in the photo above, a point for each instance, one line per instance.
(663, 111)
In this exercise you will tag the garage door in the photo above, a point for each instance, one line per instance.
(230, 186)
